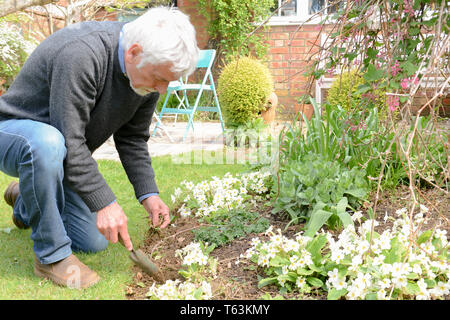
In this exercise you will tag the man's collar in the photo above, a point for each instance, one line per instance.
(121, 53)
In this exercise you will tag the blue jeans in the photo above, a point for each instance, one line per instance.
(59, 219)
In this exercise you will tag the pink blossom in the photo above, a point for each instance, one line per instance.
(404, 83)
(395, 68)
(407, 8)
(393, 103)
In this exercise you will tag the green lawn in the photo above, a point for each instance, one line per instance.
(17, 280)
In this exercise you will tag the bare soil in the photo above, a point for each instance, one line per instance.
(239, 281)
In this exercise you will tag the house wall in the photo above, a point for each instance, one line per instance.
(288, 58)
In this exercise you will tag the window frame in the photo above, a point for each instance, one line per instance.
(302, 16)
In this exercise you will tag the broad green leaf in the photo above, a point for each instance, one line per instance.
(412, 288)
(266, 281)
(373, 74)
(372, 53)
(430, 283)
(358, 193)
(198, 293)
(335, 294)
(412, 276)
(363, 88)
(345, 218)
(409, 67)
(424, 237)
(304, 272)
(371, 296)
(315, 282)
(318, 219)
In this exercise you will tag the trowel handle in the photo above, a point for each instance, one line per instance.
(122, 243)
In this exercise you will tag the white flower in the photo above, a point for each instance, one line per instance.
(333, 275)
(300, 282)
(337, 256)
(284, 270)
(340, 284)
(357, 215)
(384, 283)
(378, 260)
(423, 209)
(381, 294)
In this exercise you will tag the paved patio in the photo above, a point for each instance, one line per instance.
(205, 136)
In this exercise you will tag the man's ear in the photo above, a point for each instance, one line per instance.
(133, 54)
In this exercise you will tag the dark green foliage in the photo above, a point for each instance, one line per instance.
(231, 225)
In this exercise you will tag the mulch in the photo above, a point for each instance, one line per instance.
(240, 281)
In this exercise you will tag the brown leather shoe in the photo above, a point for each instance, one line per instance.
(69, 272)
(10, 196)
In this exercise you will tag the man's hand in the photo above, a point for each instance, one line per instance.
(155, 207)
(112, 221)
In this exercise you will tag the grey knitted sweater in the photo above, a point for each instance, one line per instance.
(73, 82)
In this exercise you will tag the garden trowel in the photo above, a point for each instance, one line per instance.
(143, 261)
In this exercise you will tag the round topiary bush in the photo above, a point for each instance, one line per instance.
(344, 92)
(244, 87)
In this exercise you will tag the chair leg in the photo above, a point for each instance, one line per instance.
(190, 123)
(161, 113)
(219, 111)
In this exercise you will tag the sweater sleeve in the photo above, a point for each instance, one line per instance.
(74, 78)
(131, 144)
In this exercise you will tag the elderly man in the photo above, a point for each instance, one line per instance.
(81, 85)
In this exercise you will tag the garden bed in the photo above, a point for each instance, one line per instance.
(240, 281)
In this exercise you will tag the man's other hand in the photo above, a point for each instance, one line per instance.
(155, 207)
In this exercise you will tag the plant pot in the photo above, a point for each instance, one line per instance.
(306, 109)
(269, 114)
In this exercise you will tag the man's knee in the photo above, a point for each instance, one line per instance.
(48, 149)
(92, 245)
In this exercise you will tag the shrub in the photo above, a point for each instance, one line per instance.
(344, 92)
(244, 87)
(319, 191)
(231, 22)
(14, 50)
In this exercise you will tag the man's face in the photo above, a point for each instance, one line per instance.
(149, 78)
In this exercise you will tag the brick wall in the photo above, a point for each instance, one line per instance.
(288, 60)
(190, 7)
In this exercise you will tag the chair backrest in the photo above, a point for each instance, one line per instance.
(206, 58)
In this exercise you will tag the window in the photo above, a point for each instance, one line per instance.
(300, 10)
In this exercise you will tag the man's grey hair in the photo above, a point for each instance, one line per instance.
(165, 35)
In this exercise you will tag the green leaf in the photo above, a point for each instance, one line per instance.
(266, 281)
(412, 276)
(412, 288)
(304, 272)
(345, 218)
(318, 219)
(373, 74)
(363, 89)
(198, 293)
(314, 247)
(315, 282)
(372, 53)
(335, 294)
(430, 283)
(371, 296)
(409, 67)
(424, 237)
(357, 193)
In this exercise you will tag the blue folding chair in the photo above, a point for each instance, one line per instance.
(182, 86)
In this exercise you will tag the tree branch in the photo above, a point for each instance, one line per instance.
(11, 6)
